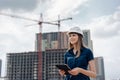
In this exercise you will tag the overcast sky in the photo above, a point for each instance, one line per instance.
(102, 17)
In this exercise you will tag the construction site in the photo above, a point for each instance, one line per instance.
(49, 51)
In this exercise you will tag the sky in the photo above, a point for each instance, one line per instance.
(102, 17)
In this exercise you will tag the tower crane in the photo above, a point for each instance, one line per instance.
(39, 47)
(59, 25)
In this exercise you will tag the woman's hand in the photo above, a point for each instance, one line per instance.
(62, 72)
(75, 71)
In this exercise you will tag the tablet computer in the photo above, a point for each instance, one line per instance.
(64, 67)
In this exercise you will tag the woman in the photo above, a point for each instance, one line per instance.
(78, 58)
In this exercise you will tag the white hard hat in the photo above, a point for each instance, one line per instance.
(75, 30)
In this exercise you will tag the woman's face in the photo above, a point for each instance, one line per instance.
(73, 38)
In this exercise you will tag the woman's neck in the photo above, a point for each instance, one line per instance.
(74, 49)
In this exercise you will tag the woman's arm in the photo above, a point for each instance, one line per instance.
(91, 72)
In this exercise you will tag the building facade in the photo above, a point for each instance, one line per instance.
(52, 57)
(87, 39)
(22, 66)
(59, 40)
(3, 78)
(99, 63)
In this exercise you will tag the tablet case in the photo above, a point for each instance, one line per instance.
(64, 67)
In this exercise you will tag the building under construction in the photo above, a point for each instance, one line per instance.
(59, 40)
(52, 57)
(25, 66)
(22, 66)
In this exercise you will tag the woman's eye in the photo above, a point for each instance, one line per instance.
(73, 35)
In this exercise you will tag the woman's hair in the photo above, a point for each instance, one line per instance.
(79, 44)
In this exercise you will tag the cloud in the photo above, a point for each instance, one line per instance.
(106, 26)
(13, 34)
(15, 37)
(63, 7)
(16, 5)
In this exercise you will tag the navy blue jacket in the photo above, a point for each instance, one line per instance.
(82, 61)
